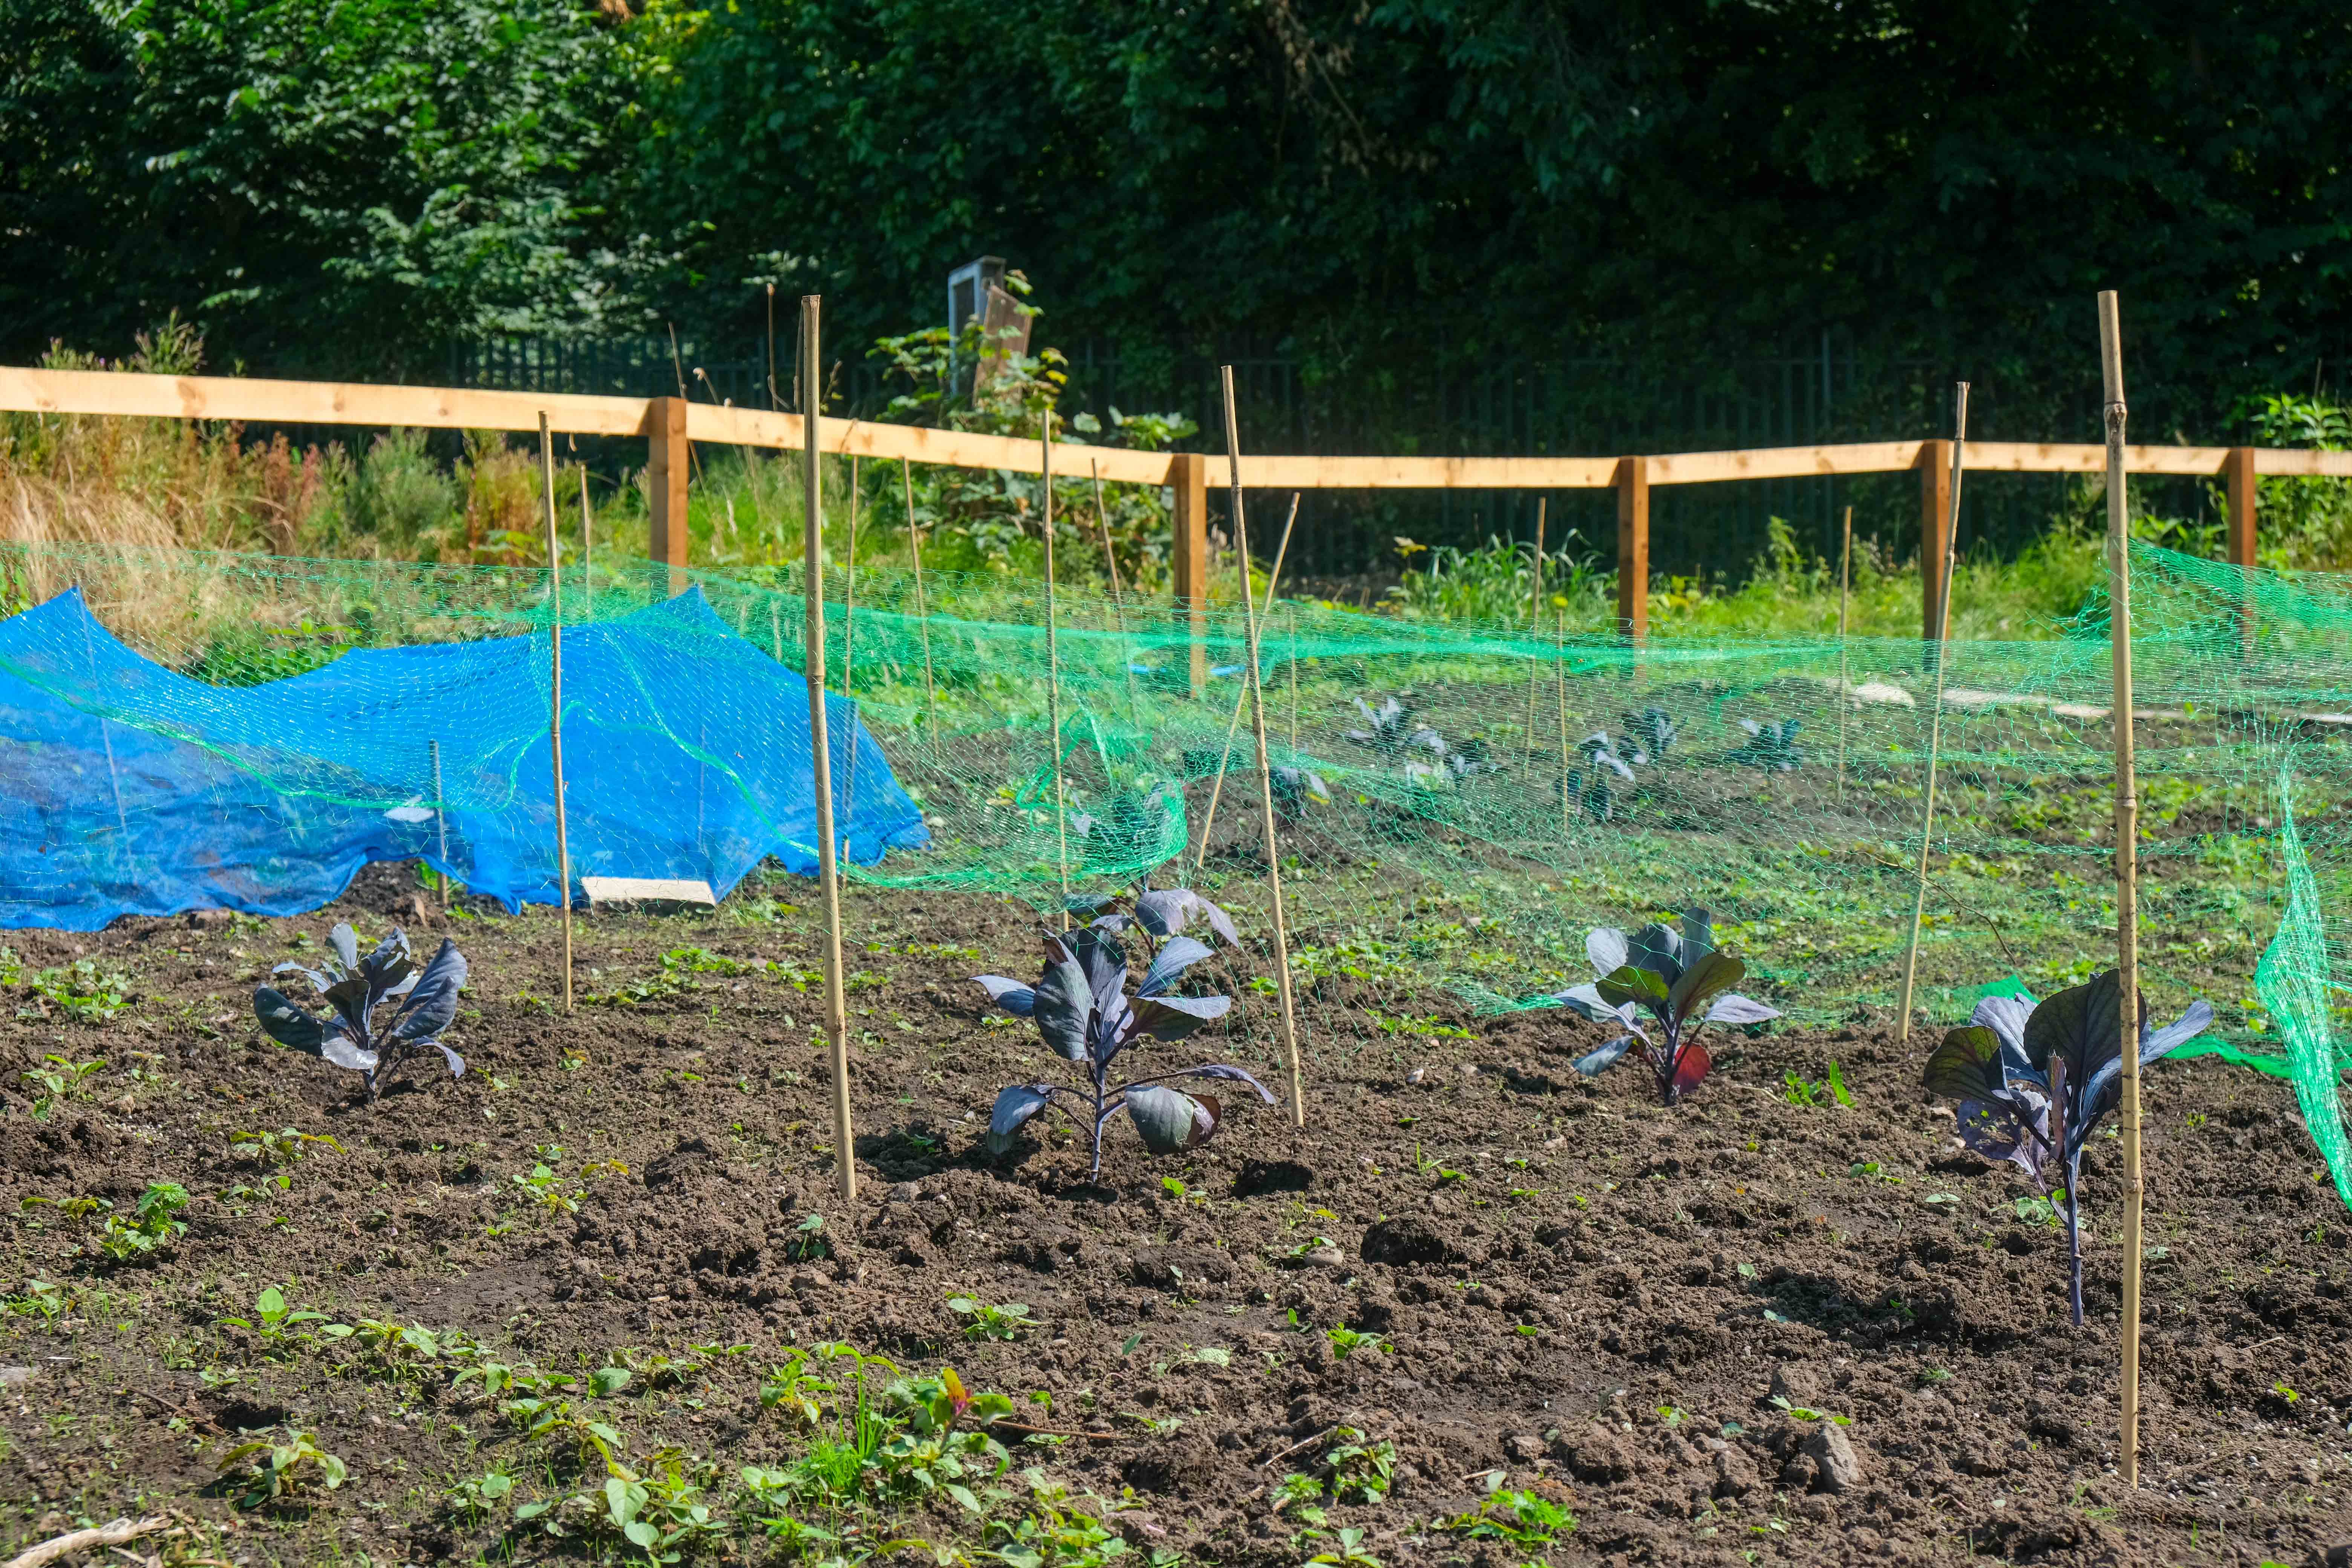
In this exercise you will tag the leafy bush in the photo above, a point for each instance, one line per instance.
(2034, 1080)
(1681, 980)
(1082, 1012)
(386, 1012)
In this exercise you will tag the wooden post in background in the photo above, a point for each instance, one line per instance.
(2240, 471)
(665, 471)
(1935, 519)
(1188, 555)
(1633, 547)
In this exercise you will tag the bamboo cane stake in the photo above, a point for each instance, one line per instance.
(105, 734)
(1054, 668)
(1535, 628)
(1290, 613)
(1234, 724)
(441, 821)
(849, 649)
(1264, 772)
(1559, 668)
(1117, 600)
(922, 616)
(2111, 367)
(1935, 722)
(773, 402)
(1845, 585)
(555, 697)
(849, 604)
(836, 1011)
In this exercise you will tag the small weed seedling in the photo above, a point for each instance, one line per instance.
(283, 1147)
(1347, 1341)
(2034, 1080)
(56, 1080)
(274, 1320)
(385, 1012)
(1819, 1096)
(1521, 1517)
(1681, 980)
(151, 1224)
(274, 1471)
(82, 992)
(1006, 1322)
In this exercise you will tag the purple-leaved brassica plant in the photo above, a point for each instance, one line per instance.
(2034, 1080)
(1680, 981)
(1084, 1015)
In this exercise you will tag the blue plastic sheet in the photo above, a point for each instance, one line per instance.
(126, 788)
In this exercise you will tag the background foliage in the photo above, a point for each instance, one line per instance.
(343, 186)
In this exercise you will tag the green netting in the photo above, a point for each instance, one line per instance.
(1525, 787)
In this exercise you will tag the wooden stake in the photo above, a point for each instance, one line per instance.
(2111, 367)
(849, 648)
(1291, 611)
(1054, 669)
(1535, 629)
(555, 698)
(922, 616)
(1264, 772)
(1846, 587)
(1567, 798)
(441, 821)
(849, 606)
(836, 1010)
(1234, 724)
(1935, 722)
(1117, 602)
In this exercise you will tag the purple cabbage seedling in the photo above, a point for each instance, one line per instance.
(1680, 980)
(1084, 1015)
(2034, 1080)
(385, 1011)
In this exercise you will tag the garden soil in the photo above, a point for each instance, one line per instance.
(1743, 1330)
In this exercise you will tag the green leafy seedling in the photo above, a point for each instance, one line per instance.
(1006, 1322)
(273, 1471)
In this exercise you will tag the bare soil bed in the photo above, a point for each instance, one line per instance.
(1575, 1293)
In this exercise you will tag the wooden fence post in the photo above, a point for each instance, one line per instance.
(1188, 556)
(2240, 471)
(1935, 518)
(666, 478)
(1633, 485)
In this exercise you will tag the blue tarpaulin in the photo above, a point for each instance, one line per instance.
(127, 788)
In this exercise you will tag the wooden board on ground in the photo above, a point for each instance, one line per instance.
(603, 890)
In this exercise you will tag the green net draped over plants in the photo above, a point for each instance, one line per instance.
(1458, 803)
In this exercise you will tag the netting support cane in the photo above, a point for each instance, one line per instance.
(555, 697)
(922, 612)
(1846, 694)
(1234, 724)
(1264, 770)
(828, 866)
(2110, 368)
(1054, 669)
(1535, 630)
(1936, 719)
(441, 822)
(1117, 600)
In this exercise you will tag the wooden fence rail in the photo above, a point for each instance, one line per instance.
(669, 425)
